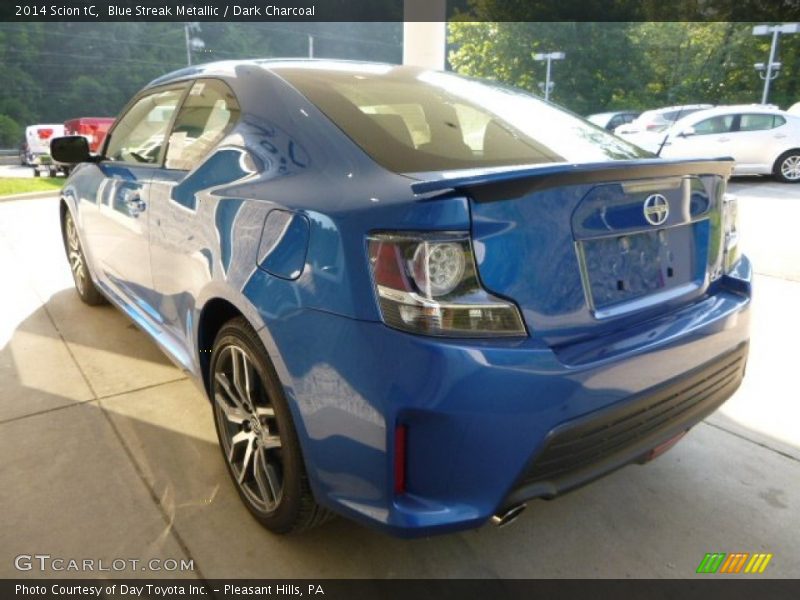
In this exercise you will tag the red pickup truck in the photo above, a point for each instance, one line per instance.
(94, 129)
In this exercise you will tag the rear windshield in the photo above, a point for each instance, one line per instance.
(410, 120)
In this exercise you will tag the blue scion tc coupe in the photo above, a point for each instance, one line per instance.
(414, 299)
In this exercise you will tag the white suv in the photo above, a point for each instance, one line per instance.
(37, 139)
(762, 140)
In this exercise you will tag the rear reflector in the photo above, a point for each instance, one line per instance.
(400, 435)
(662, 448)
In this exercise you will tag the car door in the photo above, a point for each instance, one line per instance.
(181, 224)
(708, 138)
(758, 141)
(115, 222)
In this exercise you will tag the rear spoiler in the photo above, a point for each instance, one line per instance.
(485, 185)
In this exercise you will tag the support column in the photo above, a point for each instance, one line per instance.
(425, 33)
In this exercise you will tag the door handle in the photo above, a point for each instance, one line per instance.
(780, 136)
(135, 204)
(724, 140)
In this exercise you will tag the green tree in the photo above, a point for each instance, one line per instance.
(10, 132)
(67, 70)
(612, 65)
(597, 73)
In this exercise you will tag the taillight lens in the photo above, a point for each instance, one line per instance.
(428, 283)
(730, 232)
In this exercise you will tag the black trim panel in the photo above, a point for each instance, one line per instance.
(587, 448)
(505, 184)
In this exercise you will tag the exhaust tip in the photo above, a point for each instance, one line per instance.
(508, 516)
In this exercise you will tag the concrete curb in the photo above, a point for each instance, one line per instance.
(31, 195)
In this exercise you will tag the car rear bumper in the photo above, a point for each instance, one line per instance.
(485, 419)
(579, 451)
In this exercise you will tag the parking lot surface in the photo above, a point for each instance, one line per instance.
(109, 452)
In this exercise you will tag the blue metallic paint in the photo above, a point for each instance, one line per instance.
(349, 379)
(284, 244)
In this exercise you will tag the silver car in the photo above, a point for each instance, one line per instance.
(762, 140)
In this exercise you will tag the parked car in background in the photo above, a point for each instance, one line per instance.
(37, 139)
(794, 109)
(612, 120)
(762, 140)
(645, 129)
(94, 129)
(414, 299)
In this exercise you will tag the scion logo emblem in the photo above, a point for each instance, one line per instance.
(656, 209)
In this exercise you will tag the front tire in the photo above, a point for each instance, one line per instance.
(256, 433)
(787, 167)
(77, 263)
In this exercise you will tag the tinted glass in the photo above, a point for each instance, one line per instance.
(616, 122)
(139, 134)
(410, 120)
(209, 112)
(674, 115)
(720, 124)
(757, 122)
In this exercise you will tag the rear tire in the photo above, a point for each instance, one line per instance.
(36, 172)
(77, 263)
(257, 435)
(787, 167)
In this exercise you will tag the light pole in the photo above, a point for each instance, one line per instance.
(192, 43)
(549, 57)
(769, 71)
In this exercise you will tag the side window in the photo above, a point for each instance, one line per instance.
(721, 124)
(759, 122)
(616, 121)
(139, 135)
(209, 112)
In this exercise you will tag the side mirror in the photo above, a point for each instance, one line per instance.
(70, 150)
(688, 132)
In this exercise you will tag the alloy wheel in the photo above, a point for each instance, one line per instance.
(75, 255)
(248, 428)
(790, 167)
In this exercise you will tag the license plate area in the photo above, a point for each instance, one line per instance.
(626, 268)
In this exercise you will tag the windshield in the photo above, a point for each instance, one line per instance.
(410, 120)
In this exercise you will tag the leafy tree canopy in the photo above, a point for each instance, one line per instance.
(627, 65)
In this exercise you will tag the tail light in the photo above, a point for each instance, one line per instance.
(428, 283)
